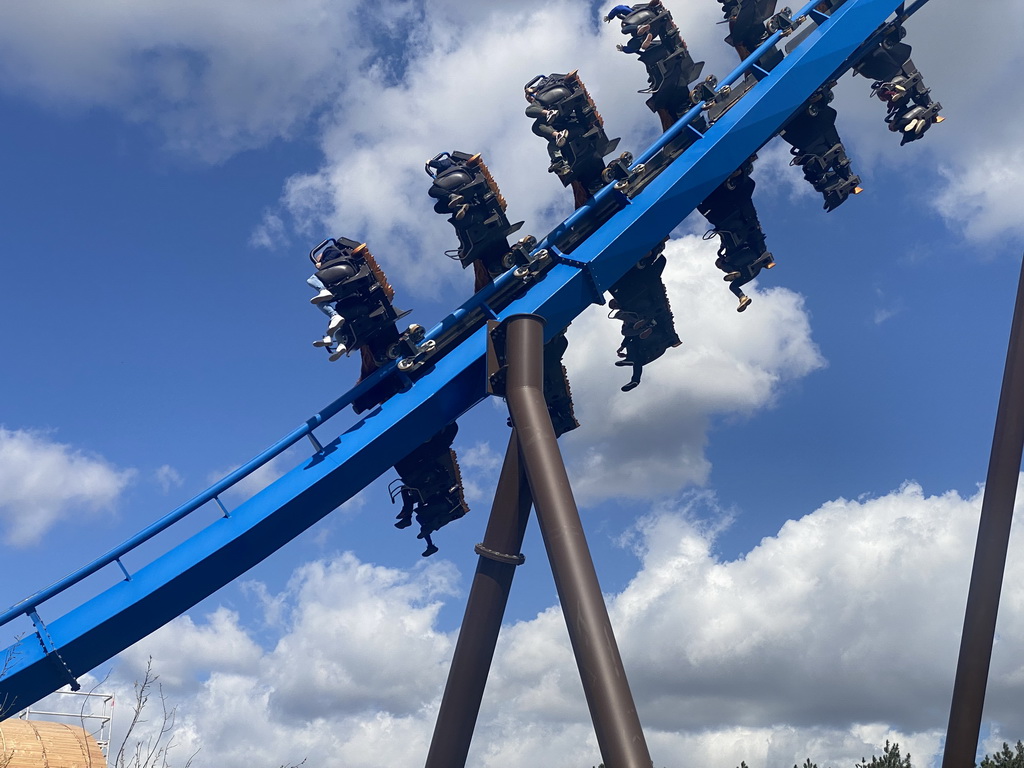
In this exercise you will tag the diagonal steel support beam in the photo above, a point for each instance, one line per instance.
(989, 556)
(534, 471)
(485, 608)
(616, 722)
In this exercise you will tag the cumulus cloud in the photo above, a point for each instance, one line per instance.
(651, 441)
(217, 78)
(187, 650)
(480, 464)
(373, 611)
(259, 478)
(825, 640)
(981, 195)
(43, 482)
(168, 477)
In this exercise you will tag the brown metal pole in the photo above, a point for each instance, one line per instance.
(989, 556)
(616, 723)
(499, 556)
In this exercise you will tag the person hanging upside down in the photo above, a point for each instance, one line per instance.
(742, 254)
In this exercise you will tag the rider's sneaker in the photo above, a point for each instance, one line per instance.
(335, 324)
(336, 354)
(744, 303)
(324, 342)
(560, 138)
(732, 276)
(461, 211)
(322, 297)
(913, 125)
(895, 90)
(559, 167)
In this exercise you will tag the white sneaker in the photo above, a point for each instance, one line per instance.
(341, 350)
(321, 297)
(324, 342)
(335, 324)
(560, 138)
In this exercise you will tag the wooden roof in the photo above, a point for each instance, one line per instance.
(41, 744)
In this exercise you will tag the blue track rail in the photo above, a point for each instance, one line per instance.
(145, 600)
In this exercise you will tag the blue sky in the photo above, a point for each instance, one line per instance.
(791, 495)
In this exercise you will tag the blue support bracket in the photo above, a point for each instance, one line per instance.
(317, 447)
(51, 654)
(584, 267)
(220, 503)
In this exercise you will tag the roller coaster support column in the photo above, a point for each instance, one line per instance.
(611, 705)
(499, 556)
(989, 556)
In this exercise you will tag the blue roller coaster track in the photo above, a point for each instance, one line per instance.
(572, 267)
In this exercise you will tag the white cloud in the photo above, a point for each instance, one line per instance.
(849, 614)
(187, 650)
(168, 477)
(377, 611)
(651, 441)
(480, 465)
(480, 456)
(215, 77)
(269, 233)
(259, 478)
(43, 482)
(823, 641)
(983, 193)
